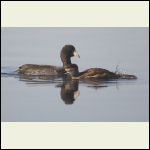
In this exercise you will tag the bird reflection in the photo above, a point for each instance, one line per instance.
(39, 78)
(69, 91)
(69, 88)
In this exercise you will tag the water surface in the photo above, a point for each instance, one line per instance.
(41, 99)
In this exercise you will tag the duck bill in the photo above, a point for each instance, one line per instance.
(76, 54)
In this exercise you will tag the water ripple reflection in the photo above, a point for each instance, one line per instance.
(69, 89)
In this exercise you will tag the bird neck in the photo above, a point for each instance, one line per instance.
(65, 60)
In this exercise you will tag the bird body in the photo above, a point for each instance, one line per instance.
(32, 69)
(96, 73)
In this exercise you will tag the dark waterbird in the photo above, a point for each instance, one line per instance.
(67, 52)
(96, 73)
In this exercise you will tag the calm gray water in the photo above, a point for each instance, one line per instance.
(43, 100)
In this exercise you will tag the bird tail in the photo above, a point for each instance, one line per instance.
(126, 76)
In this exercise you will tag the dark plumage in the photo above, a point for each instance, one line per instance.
(96, 73)
(31, 69)
(69, 91)
(67, 52)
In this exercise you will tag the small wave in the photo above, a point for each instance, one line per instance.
(8, 71)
